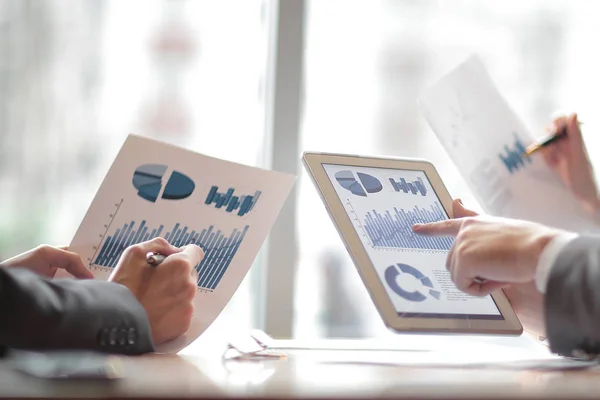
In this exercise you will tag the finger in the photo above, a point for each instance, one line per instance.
(477, 288)
(70, 262)
(63, 247)
(459, 210)
(193, 253)
(449, 227)
(558, 120)
(451, 264)
(158, 245)
(550, 156)
(573, 130)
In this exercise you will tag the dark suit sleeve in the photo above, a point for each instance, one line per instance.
(572, 302)
(37, 313)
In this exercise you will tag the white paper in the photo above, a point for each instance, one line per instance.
(166, 185)
(485, 139)
(429, 351)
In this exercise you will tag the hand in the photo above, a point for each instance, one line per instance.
(44, 260)
(497, 250)
(166, 292)
(525, 299)
(568, 157)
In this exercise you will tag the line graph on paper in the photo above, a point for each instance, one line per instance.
(460, 118)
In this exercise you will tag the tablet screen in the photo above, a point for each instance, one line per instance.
(383, 204)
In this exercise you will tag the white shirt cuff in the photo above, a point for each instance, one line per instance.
(548, 257)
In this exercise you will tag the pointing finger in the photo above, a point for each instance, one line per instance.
(449, 227)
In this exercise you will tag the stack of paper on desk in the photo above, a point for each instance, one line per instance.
(485, 139)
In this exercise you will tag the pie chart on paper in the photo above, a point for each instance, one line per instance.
(148, 180)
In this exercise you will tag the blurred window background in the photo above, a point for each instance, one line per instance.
(77, 76)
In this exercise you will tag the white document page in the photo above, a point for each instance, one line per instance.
(486, 140)
(154, 189)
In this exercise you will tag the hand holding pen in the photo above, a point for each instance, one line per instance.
(166, 293)
(565, 153)
(558, 134)
(154, 259)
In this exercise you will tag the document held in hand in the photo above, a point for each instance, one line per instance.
(154, 189)
(486, 141)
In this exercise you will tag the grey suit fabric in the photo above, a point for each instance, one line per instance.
(42, 314)
(572, 301)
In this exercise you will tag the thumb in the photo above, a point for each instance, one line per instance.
(459, 210)
(484, 288)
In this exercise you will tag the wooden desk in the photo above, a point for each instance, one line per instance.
(178, 377)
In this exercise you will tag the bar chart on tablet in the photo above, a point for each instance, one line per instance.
(393, 228)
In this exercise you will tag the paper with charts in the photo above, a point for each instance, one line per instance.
(154, 189)
(486, 140)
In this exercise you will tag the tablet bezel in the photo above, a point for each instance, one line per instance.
(313, 163)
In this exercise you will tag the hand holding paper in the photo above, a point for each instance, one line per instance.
(155, 190)
(569, 159)
(486, 141)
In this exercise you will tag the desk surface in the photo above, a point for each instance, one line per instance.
(171, 376)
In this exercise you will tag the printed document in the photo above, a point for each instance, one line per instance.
(486, 141)
(154, 189)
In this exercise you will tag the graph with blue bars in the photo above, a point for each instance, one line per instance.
(219, 248)
(414, 187)
(243, 204)
(393, 229)
(513, 156)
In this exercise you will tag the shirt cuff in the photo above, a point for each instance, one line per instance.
(547, 258)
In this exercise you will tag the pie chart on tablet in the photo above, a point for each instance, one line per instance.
(365, 184)
(148, 180)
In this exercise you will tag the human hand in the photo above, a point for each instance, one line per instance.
(525, 299)
(568, 157)
(490, 253)
(166, 292)
(45, 260)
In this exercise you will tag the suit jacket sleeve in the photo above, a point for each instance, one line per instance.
(572, 301)
(37, 313)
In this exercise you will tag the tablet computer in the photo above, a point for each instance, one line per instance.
(374, 202)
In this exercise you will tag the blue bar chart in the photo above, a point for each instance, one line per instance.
(414, 187)
(219, 249)
(243, 204)
(393, 229)
(512, 158)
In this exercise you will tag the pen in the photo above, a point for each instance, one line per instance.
(154, 259)
(532, 148)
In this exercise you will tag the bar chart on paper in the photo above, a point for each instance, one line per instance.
(244, 204)
(220, 248)
(513, 156)
(393, 228)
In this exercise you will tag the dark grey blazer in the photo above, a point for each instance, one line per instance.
(572, 302)
(38, 313)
